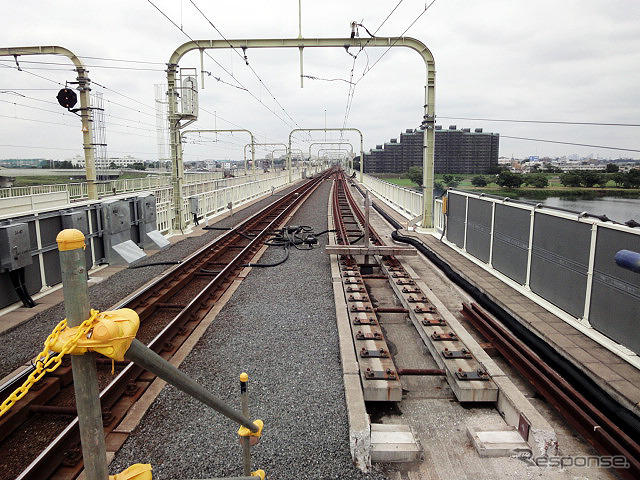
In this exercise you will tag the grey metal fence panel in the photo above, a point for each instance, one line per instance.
(479, 229)
(559, 261)
(457, 209)
(615, 294)
(511, 242)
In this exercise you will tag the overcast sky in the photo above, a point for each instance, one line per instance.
(569, 60)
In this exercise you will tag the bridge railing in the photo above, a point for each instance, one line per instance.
(562, 260)
(212, 201)
(404, 200)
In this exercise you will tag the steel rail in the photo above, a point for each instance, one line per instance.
(50, 459)
(600, 432)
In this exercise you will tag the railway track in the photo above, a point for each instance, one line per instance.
(39, 436)
(609, 439)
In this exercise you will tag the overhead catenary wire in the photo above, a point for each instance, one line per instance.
(220, 65)
(72, 68)
(571, 143)
(352, 85)
(244, 58)
(426, 8)
(552, 122)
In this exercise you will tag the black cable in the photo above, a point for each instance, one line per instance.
(325, 231)
(621, 416)
(156, 263)
(571, 143)
(265, 265)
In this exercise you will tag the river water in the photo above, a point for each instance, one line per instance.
(618, 209)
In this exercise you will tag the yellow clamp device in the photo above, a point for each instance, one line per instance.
(260, 474)
(245, 432)
(139, 471)
(111, 335)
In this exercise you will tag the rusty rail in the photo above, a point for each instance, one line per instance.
(56, 458)
(591, 423)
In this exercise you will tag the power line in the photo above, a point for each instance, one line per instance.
(95, 83)
(86, 65)
(554, 122)
(352, 86)
(427, 7)
(570, 143)
(218, 63)
(121, 60)
(385, 20)
(31, 73)
(246, 61)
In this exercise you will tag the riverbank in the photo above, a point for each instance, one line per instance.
(554, 190)
(569, 192)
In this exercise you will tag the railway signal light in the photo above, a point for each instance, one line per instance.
(67, 98)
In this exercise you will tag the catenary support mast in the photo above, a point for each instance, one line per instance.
(428, 122)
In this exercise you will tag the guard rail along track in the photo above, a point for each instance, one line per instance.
(39, 436)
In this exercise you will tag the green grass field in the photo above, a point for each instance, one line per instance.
(30, 180)
(554, 189)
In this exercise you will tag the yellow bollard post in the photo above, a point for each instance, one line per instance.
(246, 447)
(85, 377)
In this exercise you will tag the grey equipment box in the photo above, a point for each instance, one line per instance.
(15, 246)
(119, 249)
(150, 237)
(194, 204)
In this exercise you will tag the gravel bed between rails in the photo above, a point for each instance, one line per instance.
(26, 339)
(279, 327)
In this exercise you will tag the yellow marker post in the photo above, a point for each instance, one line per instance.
(85, 377)
(246, 447)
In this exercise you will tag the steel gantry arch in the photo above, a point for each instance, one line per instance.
(84, 86)
(300, 43)
(328, 130)
(330, 143)
(253, 150)
(253, 145)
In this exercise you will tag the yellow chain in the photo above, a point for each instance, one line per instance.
(45, 363)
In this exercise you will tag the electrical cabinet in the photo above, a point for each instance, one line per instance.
(15, 246)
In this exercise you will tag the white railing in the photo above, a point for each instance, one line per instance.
(214, 194)
(438, 215)
(404, 200)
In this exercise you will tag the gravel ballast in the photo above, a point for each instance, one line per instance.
(27, 338)
(280, 327)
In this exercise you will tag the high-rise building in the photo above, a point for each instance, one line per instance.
(456, 151)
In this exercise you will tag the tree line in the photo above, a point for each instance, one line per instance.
(508, 179)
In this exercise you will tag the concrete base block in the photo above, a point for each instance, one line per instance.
(512, 405)
(394, 443)
(359, 426)
(497, 443)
